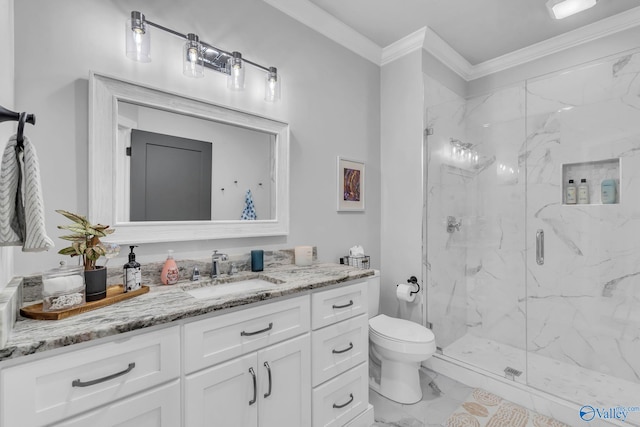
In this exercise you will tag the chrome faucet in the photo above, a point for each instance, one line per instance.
(453, 224)
(215, 263)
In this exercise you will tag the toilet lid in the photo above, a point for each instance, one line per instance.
(400, 329)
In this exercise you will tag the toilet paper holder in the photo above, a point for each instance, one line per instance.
(413, 280)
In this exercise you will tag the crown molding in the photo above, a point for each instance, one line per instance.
(440, 49)
(326, 24)
(605, 27)
(405, 45)
(316, 18)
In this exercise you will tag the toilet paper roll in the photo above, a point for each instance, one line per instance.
(403, 292)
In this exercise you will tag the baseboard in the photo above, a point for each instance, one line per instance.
(529, 397)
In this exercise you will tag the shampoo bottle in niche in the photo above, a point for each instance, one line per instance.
(583, 192)
(571, 197)
(132, 273)
(169, 275)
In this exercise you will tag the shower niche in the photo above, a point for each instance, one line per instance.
(602, 178)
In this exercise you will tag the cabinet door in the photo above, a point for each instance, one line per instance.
(285, 384)
(158, 407)
(226, 395)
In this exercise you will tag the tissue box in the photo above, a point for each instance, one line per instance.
(304, 255)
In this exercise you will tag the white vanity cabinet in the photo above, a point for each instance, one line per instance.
(56, 388)
(340, 339)
(250, 368)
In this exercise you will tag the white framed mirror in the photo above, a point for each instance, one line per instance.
(247, 156)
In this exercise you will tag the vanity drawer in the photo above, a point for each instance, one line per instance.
(220, 338)
(339, 347)
(42, 392)
(158, 407)
(338, 304)
(338, 401)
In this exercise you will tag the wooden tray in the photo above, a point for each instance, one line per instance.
(114, 294)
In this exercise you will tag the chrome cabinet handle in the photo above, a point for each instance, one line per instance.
(343, 351)
(255, 387)
(78, 383)
(540, 247)
(342, 406)
(268, 393)
(349, 304)
(248, 334)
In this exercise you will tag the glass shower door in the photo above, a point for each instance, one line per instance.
(475, 230)
(583, 270)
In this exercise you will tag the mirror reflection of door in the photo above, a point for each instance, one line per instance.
(170, 178)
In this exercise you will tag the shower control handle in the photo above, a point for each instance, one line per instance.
(540, 247)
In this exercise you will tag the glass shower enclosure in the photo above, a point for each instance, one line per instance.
(523, 282)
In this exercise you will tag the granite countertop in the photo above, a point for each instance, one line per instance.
(164, 304)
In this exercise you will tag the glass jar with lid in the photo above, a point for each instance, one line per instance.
(63, 288)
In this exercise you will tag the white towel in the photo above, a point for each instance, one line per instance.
(21, 205)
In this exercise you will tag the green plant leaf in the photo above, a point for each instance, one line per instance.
(76, 229)
(79, 219)
(69, 250)
(74, 237)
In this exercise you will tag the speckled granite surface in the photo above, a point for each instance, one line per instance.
(165, 304)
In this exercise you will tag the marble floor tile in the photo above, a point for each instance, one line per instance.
(432, 411)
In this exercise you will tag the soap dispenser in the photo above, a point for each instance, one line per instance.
(169, 275)
(571, 193)
(583, 192)
(132, 273)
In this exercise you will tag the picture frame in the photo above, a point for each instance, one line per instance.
(351, 185)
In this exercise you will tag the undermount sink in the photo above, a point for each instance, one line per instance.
(232, 289)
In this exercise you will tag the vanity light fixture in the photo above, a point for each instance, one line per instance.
(198, 55)
(561, 9)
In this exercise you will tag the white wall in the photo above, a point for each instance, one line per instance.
(6, 100)
(330, 98)
(401, 188)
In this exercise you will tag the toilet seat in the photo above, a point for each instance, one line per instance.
(399, 330)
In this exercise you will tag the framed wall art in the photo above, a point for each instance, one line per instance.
(350, 185)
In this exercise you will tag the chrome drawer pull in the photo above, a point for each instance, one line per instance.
(266, 364)
(255, 387)
(342, 406)
(248, 334)
(343, 351)
(78, 383)
(349, 304)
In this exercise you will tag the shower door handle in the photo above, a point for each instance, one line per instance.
(540, 247)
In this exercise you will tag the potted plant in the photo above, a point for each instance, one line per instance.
(87, 244)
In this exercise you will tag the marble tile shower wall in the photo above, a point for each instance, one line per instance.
(583, 304)
(582, 307)
(476, 283)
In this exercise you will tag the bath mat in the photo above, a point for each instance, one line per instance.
(484, 409)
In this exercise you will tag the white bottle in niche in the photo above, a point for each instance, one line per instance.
(583, 192)
(571, 196)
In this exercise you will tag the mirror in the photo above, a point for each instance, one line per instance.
(164, 167)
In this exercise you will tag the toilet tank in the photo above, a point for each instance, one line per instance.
(373, 291)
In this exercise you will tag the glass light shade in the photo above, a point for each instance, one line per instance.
(272, 85)
(192, 60)
(561, 9)
(235, 81)
(138, 41)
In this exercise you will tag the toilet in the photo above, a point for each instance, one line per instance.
(400, 346)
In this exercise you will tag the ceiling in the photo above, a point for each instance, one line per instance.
(478, 30)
